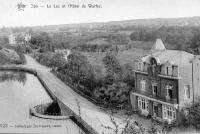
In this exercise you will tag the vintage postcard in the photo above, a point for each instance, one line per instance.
(100, 66)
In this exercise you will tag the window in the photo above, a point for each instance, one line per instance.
(154, 88)
(153, 69)
(168, 70)
(168, 91)
(142, 85)
(187, 91)
(169, 112)
(143, 104)
(156, 111)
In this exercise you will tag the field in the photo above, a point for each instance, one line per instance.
(124, 57)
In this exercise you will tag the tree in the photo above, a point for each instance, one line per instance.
(4, 40)
(4, 58)
(41, 40)
(80, 70)
(98, 75)
(128, 75)
(58, 60)
(195, 42)
(113, 68)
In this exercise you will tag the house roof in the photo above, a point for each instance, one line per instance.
(162, 55)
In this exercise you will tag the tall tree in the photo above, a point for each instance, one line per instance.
(80, 70)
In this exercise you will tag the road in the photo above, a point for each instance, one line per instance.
(90, 113)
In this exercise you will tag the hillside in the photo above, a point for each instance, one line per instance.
(184, 21)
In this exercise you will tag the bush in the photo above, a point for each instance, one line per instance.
(49, 59)
(113, 94)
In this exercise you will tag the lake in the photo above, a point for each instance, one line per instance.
(18, 92)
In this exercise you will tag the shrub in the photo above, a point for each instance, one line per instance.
(4, 58)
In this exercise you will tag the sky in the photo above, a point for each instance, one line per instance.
(110, 10)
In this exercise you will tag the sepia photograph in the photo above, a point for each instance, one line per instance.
(100, 66)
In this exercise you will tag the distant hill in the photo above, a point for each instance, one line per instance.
(185, 21)
(102, 26)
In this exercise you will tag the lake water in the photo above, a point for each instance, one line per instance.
(18, 92)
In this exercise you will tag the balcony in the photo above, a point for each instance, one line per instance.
(159, 98)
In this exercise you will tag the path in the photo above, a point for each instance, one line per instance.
(32, 63)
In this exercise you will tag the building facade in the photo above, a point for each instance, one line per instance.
(166, 81)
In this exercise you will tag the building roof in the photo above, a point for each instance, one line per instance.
(162, 55)
(158, 46)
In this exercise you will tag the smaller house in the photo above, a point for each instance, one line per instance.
(19, 38)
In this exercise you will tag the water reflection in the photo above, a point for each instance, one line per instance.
(13, 76)
(18, 92)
